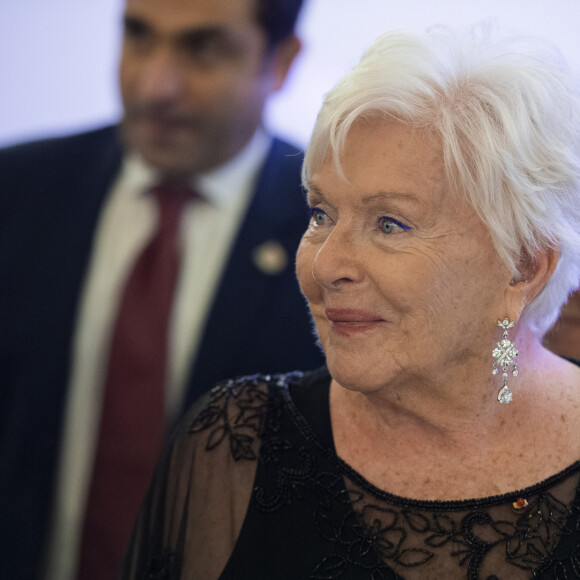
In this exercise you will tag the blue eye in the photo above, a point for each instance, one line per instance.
(388, 225)
(317, 216)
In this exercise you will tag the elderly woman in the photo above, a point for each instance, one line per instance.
(443, 440)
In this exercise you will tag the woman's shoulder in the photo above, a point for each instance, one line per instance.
(256, 392)
(238, 412)
(204, 481)
(242, 392)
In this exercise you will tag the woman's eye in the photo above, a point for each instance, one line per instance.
(317, 216)
(389, 225)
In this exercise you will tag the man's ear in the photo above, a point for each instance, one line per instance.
(535, 271)
(281, 58)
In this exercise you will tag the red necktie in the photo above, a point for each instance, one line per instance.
(132, 423)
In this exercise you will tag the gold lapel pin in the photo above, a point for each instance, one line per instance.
(270, 257)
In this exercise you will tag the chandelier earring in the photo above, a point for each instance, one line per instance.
(505, 353)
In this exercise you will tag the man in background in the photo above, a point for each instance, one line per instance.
(140, 265)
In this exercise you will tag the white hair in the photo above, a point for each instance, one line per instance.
(507, 112)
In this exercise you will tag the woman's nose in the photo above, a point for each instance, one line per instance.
(339, 262)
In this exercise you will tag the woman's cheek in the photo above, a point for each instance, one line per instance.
(304, 260)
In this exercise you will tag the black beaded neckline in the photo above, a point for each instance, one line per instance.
(321, 379)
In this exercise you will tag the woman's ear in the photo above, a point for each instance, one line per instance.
(534, 273)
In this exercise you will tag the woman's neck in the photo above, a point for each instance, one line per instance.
(453, 429)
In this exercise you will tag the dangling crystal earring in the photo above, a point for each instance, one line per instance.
(505, 353)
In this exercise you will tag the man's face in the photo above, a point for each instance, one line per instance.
(194, 76)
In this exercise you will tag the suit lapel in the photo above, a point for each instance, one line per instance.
(56, 189)
(268, 235)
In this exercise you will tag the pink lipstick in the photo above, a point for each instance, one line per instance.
(350, 322)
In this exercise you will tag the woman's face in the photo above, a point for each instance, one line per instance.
(401, 277)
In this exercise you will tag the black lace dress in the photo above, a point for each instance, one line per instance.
(251, 488)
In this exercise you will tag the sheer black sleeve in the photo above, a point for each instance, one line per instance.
(196, 504)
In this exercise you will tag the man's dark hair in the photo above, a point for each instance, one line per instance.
(278, 18)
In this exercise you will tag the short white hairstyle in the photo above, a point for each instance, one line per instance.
(506, 109)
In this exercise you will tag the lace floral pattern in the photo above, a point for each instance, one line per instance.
(371, 534)
(241, 413)
(380, 539)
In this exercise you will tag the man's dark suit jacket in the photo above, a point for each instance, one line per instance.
(51, 195)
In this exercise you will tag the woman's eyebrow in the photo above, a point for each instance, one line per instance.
(313, 190)
(392, 195)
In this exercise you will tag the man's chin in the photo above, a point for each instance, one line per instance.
(168, 158)
(170, 167)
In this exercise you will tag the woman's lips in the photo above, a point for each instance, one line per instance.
(348, 322)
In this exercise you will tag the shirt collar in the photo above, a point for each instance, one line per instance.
(236, 178)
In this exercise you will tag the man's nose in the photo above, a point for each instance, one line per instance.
(161, 77)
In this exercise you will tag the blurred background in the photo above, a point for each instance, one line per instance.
(58, 58)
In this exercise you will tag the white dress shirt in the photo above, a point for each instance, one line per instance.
(128, 221)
